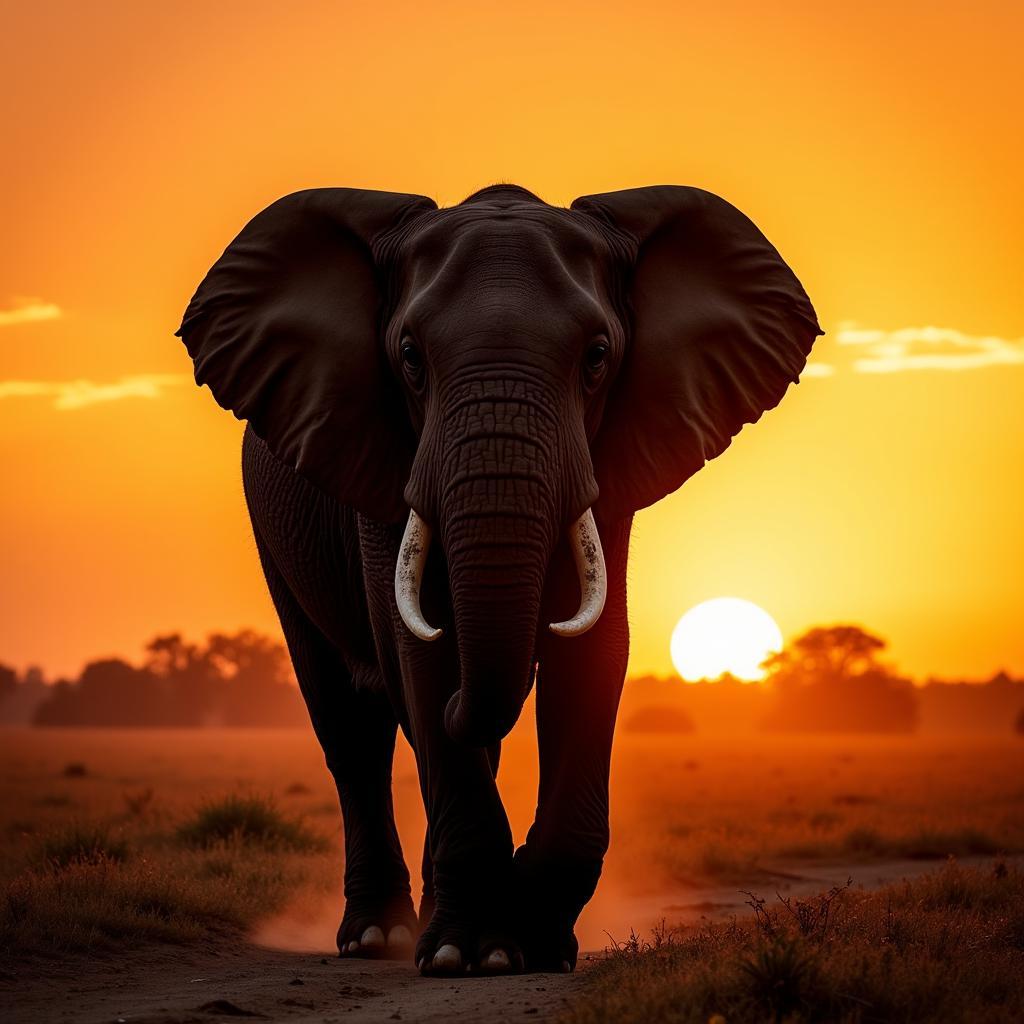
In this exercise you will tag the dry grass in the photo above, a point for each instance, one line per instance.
(948, 947)
(247, 821)
(710, 809)
(107, 904)
(147, 843)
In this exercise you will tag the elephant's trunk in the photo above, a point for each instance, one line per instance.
(496, 647)
(500, 506)
(497, 562)
(505, 481)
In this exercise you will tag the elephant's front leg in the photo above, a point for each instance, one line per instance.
(467, 919)
(578, 690)
(467, 863)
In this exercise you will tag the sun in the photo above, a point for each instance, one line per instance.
(725, 634)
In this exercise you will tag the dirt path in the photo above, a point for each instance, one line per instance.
(174, 986)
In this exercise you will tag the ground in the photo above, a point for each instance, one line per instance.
(182, 986)
(129, 875)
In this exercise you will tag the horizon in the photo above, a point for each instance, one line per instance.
(136, 658)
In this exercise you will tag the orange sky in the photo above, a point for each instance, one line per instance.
(880, 150)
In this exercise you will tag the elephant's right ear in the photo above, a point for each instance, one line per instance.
(285, 329)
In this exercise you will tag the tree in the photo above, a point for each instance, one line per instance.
(828, 651)
(233, 679)
(8, 682)
(258, 684)
(109, 692)
(191, 680)
(830, 679)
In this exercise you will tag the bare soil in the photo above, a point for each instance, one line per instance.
(175, 986)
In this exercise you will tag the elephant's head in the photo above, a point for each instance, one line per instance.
(492, 372)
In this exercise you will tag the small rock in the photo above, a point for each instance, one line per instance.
(296, 981)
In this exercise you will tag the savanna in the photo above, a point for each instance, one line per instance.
(203, 847)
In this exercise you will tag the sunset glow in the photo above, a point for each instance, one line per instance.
(724, 635)
(873, 145)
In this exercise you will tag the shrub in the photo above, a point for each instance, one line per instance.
(250, 820)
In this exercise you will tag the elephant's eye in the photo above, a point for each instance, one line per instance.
(412, 358)
(597, 355)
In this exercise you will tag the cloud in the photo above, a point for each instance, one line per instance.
(77, 394)
(29, 311)
(817, 370)
(927, 348)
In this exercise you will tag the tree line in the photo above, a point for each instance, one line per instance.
(831, 679)
(238, 679)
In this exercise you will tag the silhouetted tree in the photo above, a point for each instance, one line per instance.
(238, 679)
(109, 692)
(8, 682)
(191, 681)
(830, 680)
(258, 683)
(975, 706)
(18, 702)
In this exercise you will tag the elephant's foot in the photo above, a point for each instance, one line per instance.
(548, 946)
(467, 932)
(549, 896)
(378, 929)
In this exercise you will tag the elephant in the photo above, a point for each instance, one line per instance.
(453, 414)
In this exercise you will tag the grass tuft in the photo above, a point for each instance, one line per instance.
(250, 821)
(83, 844)
(105, 904)
(922, 844)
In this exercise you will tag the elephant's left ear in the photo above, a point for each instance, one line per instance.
(286, 331)
(721, 327)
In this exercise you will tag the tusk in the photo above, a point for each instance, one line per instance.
(412, 558)
(586, 550)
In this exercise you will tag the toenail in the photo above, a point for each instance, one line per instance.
(399, 936)
(566, 968)
(448, 958)
(373, 936)
(497, 960)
